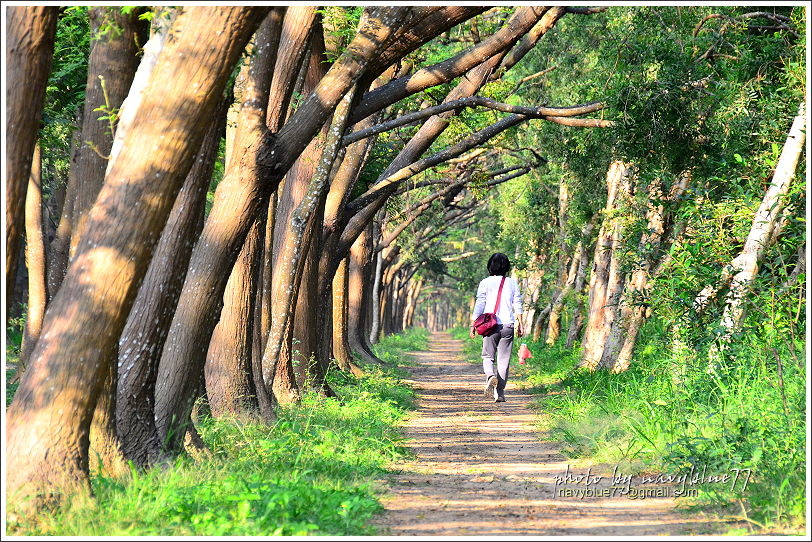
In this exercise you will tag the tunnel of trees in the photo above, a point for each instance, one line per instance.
(232, 202)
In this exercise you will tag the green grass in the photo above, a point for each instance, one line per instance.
(317, 471)
(668, 414)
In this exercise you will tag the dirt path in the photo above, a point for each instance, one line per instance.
(480, 468)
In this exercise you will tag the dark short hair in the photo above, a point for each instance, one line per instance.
(498, 264)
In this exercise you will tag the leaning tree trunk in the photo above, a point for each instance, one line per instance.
(238, 199)
(48, 425)
(228, 368)
(744, 267)
(606, 283)
(147, 326)
(286, 242)
(30, 46)
(111, 68)
(34, 261)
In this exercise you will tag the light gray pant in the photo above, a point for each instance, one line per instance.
(499, 345)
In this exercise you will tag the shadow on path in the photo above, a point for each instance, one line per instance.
(480, 468)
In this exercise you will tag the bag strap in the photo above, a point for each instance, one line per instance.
(499, 296)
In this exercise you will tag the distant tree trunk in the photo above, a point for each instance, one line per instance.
(577, 320)
(111, 67)
(564, 259)
(34, 260)
(375, 334)
(341, 345)
(228, 368)
(30, 46)
(48, 427)
(554, 325)
(144, 335)
(742, 270)
(60, 246)
(617, 352)
(359, 256)
(606, 283)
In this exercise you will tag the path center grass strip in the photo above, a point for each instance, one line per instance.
(313, 473)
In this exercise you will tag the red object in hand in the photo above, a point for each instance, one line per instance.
(524, 353)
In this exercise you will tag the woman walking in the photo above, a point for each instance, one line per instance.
(501, 294)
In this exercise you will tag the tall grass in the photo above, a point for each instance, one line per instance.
(668, 413)
(314, 471)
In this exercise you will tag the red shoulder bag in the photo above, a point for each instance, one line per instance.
(486, 322)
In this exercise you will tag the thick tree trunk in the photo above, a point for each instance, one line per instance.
(30, 33)
(147, 326)
(606, 283)
(292, 363)
(228, 368)
(34, 261)
(237, 201)
(292, 262)
(48, 425)
(111, 68)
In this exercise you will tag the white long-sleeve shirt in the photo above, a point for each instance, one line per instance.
(510, 305)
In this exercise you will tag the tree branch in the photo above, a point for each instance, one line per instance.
(553, 114)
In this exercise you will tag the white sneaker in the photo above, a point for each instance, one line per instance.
(490, 387)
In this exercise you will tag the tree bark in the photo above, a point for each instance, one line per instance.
(60, 246)
(111, 68)
(237, 201)
(570, 283)
(633, 307)
(577, 320)
(341, 345)
(293, 358)
(375, 333)
(144, 334)
(606, 283)
(359, 256)
(34, 261)
(228, 368)
(744, 267)
(30, 45)
(49, 419)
